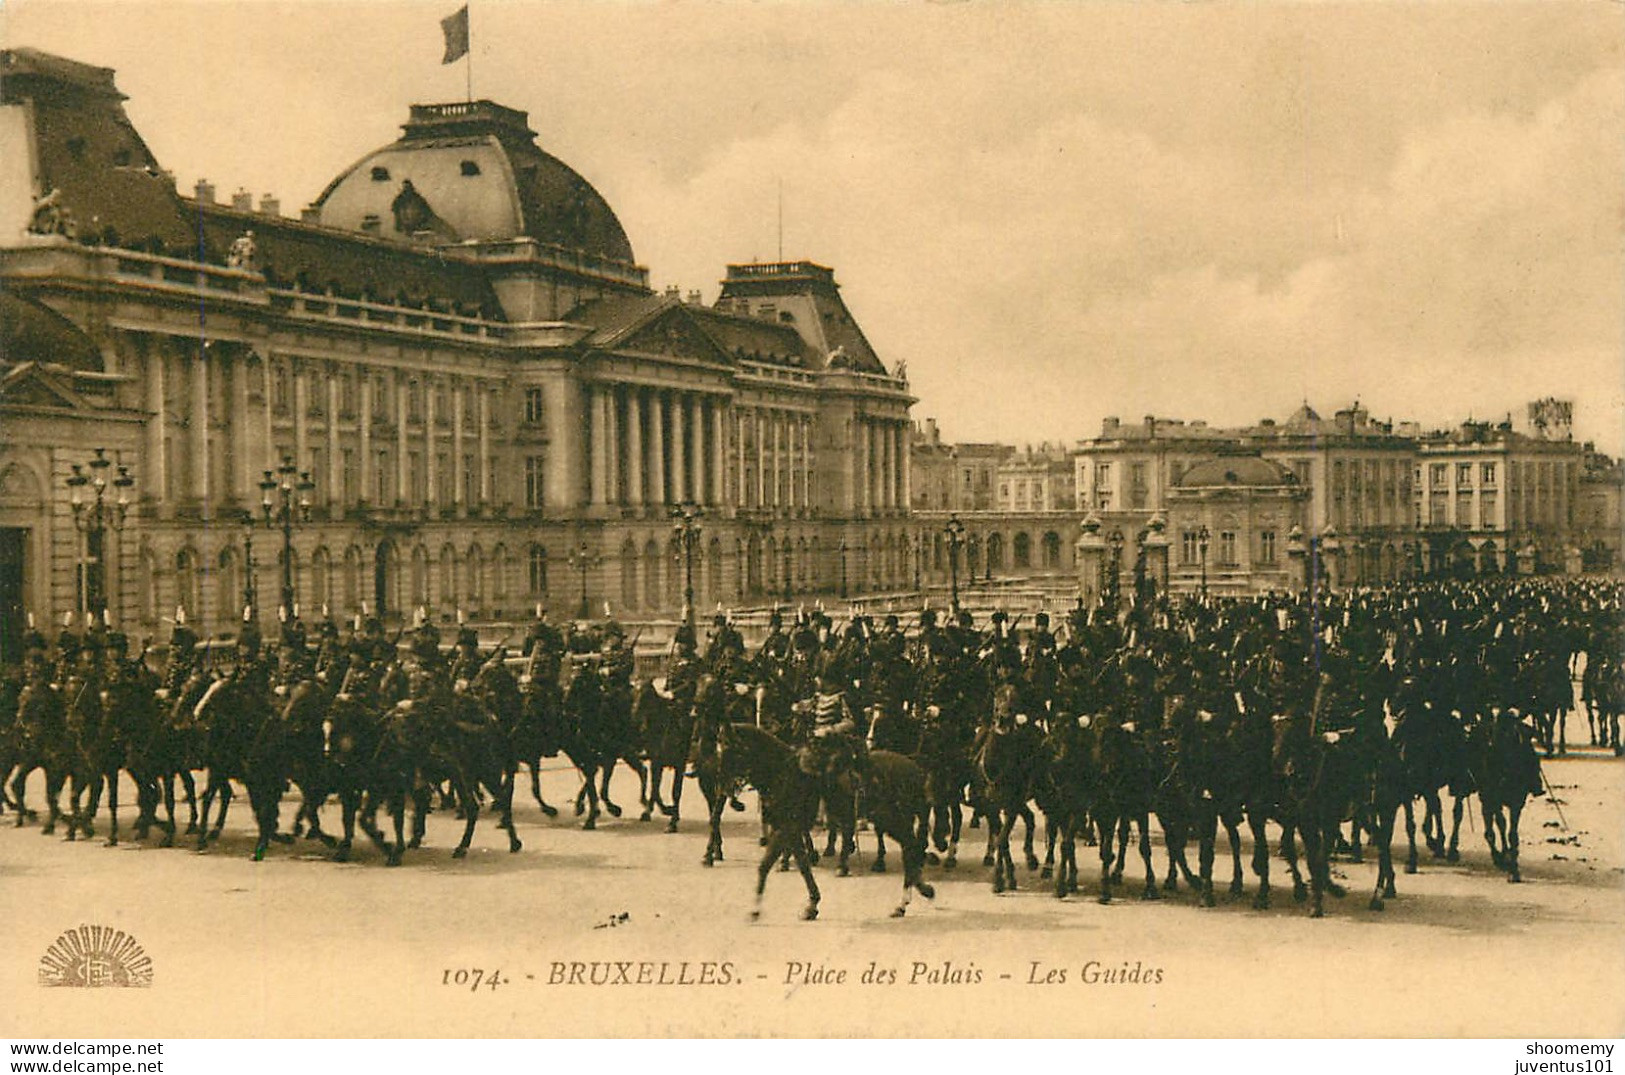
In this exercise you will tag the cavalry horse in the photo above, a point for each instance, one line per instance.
(665, 728)
(1009, 764)
(597, 736)
(43, 742)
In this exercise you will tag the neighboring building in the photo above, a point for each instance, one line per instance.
(954, 477)
(1598, 518)
(457, 345)
(1231, 523)
(1037, 480)
(1490, 499)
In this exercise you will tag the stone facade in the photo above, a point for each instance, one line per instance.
(490, 417)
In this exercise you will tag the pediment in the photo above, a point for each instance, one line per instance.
(27, 385)
(673, 333)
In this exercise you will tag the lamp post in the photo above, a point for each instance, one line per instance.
(843, 566)
(954, 531)
(92, 518)
(687, 531)
(249, 596)
(919, 554)
(1203, 536)
(284, 497)
(1297, 551)
(1111, 591)
(582, 559)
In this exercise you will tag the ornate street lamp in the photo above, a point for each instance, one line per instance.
(687, 531)
(1111, 591)
(285, 499)
(583, 559)
(93, 518)
(1203, 535)
(954, 531)
(250, 598)
(843, 566)
(919, 554)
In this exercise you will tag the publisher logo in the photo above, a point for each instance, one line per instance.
(95, 956)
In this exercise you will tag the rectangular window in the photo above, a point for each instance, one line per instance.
(1137, 475)
(351, 477)
(1189, 548)
(1486, 511)
(533, 481)
(471, 487)
(414, 477)
(534, 406)
(1486, 474)
(318, 476)
(1266, 546)
(279, 388)
(1300, 469)
(1227, 546)
(1103, 475)
(1464, 474)
(381, 483)
(346, 395)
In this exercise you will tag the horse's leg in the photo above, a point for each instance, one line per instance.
(1563, 729)
(226, 795)
(1410, 835)
(1052, 835)
(589, 788)
(1289, 851)
(713, 803)
(1433, 824)
(1207, 834)
(911, 841)
(1261, 859)
(801, 848)
(1314, 850)
(189, 785)
(1382, 836)
(397, 818)
(1030, 824)
(18, 782)
(349, 804)
(1233, 831)
(652, 800)
(536, 787)
(262, 796)
(1103, 840)
(603, 791)
(956, 819)
(769, 856)
(166, 785)
(112, 808)
(1150, 893)
(1124, 824)
(991, 856)
(1514, 810)
(1453, 853)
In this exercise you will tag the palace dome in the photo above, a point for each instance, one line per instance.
(1249, 470)
(472, 172)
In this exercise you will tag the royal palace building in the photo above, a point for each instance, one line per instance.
(449, 374)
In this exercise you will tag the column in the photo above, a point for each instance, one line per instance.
(679, 451)
(242, 438)
(803, 499)
(696, 449)
(907, 469)
(333, 478)
(403, 389)
(157, 464)
(718, 458)
(301, 404)
(457, 444)
(875, 465)
(760, 420)
(612, 447)
(891, 465)
(200, 424)
(634, 448)
(861, 454)
(364, 431)
(485, 491)
(430, 488)
(741, 492)
(777, 422)
(657, 448)
(595, 441)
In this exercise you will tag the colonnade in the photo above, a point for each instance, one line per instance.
(879, 465)
(654, 446)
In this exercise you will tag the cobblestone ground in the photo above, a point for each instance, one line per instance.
(622, 931)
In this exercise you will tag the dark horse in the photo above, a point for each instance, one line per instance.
(893, 792)
(665, 727)
(1010, 765)
(1506, 770)
(597, 736)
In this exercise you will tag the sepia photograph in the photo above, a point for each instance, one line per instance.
(811, 519)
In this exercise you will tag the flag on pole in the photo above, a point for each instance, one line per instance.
(455, 27)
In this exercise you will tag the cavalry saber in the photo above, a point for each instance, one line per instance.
(1551, 796)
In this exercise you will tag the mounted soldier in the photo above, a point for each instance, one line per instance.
(836, 741)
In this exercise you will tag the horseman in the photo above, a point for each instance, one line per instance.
(836, 744)
(683, 675)
(775, 649)
(725, 642)
(466, 658)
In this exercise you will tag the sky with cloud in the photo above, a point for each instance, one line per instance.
(1052, 212)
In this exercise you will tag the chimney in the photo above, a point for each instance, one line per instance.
(311, 214)
(1109, 426)
(693, 298)
(673, 291)
(243, 200)
(270, 205)
(204, 192)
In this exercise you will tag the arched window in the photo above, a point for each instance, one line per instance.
(499, 574)
(1052, 550)
(147, 563)
(629, 573)
(187, 594)
(713, 556)
(995, 552)
(352, 579)
(449, 597)
(420, 576)
(1023, 547)
(536, 572)
(651, 573)
(228, 585)
(321, 578)
(476, 576)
